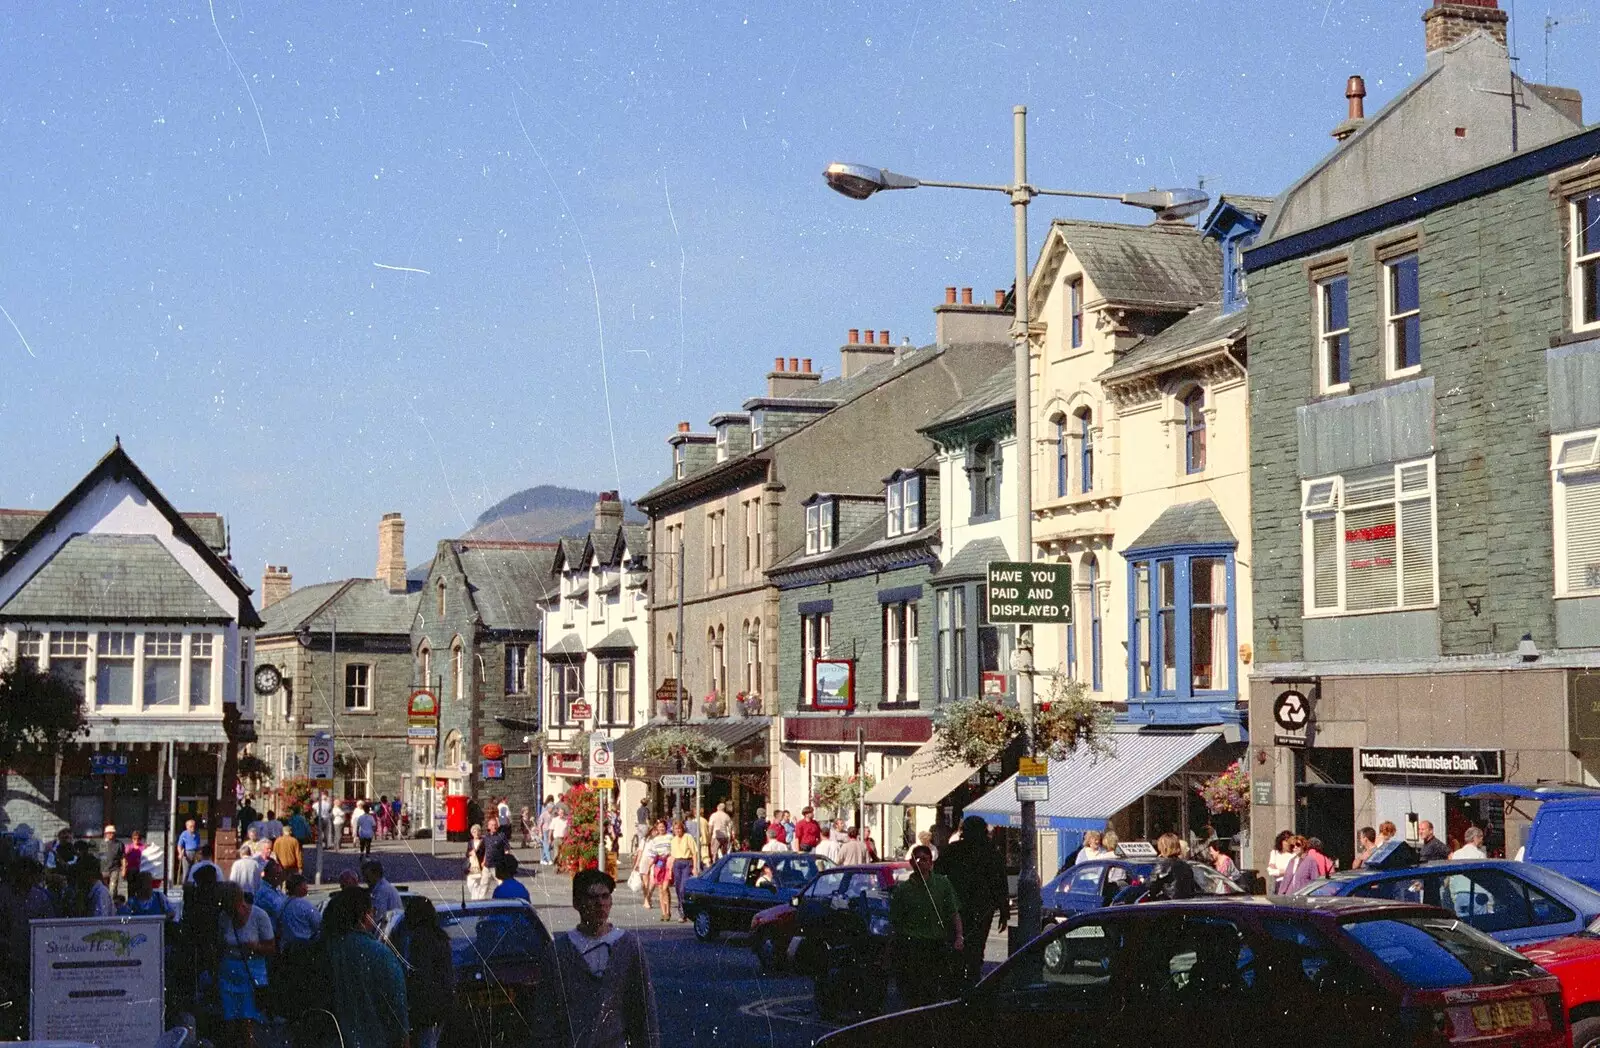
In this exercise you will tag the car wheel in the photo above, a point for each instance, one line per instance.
(704, 928)
(767, 955)
(1586, 1033)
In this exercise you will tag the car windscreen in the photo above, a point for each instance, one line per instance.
(1438, 952)
(493, 935)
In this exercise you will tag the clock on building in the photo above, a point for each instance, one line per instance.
(268, 679)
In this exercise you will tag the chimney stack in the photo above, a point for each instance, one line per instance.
(1355, 93)
(852, 336)
(392, 552)
(1449, 22)
(683, 427)
(949, 296)
(276, 582)
(787, 381)
(966, 296)
(777, 364)
(608, 510)
(999, 298)
(862, 351)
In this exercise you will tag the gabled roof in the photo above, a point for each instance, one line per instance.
(116, 465)
(1161, 266)
(995, 395)
(211, 527)
(508, 581)
(1187, 524)
(113, 578)
(1203, 330)
(364, 606)
(972, 560)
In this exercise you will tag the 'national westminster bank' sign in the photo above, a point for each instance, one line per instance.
(1437, 764)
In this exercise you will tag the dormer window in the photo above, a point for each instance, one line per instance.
(903, 497)
(758, 422)
(1233, 277)
(677, 462)
(722, 443)
(822, 525)
(983, 479)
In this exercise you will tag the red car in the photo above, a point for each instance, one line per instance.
(1575, 960)
(773, 930)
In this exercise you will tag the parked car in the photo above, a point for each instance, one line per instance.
(738, 886)
(771, 933)
(1565, 827)
(1102, 882)
(497, 949)
(1515, 902)
(1251, 972)
(1575, 960)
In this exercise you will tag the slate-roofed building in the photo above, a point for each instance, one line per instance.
(138, 606)
(597, 645)
(734, 505)
(343, 652)
(475, 642)
(1424, 409)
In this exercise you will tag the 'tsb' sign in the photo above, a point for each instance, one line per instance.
(1020, 592)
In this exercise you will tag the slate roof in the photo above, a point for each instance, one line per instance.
(1165, 265)
(509, 581)
(730, 730)
(1203, 327)
(616, 640)
(1260, 206)
(568, 646)
(356, 605)
(1187, 524)
(972, 561)
(994, 394)
(113, 578)
(209, 527)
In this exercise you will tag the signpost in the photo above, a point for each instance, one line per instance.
(686, 781)
(1026, 592)
(1033, 780)
(320, 764)
(602, 766)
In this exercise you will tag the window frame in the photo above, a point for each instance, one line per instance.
(516, 669)
(1194, 431)
(1075, 311)
(613, 707)
(822, 525)
(816, 640)
(1146, 642)
(1326, 335)
(1324, 498)
(983, 481)
(1091, 570)
(1085, 417)
(1394, 319)
(1581, 266)
(1587, 471)
(898, 680)
(360, 689)
(1063, 458)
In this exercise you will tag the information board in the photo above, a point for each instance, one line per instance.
(98, 980)
(1029, 592)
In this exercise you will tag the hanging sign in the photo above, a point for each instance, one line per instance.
(423, 707)
(1291, 714)
(835, 684)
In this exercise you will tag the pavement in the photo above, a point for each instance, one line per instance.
(709, 995)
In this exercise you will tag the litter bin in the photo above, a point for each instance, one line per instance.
(455, 819)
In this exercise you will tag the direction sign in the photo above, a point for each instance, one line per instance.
(422, 734)
(1033, 787)
(320, 766)
(679, 782)
(1029, 592)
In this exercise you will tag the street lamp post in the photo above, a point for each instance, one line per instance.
(858, 182)
(304, 637)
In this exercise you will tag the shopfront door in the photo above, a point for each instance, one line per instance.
(1324, 800)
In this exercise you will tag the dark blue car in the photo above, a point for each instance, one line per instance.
(1095, 883)
(737, 887)
(1515, 902)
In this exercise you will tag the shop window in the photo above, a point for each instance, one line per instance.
(1181, 623)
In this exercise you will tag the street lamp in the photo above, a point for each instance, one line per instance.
(858, 182)
(304, 637)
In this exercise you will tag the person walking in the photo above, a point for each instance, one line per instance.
(525, 824)
(109, 851)
(854, 851)
(1172, 877)
(132, 860)
(188, 850)
(600, 994)
(542, 824)
(1278, 861)
(559, 824)
(286, 852)
(925, 915)
(685, 854)
(247, 941)
(721, 831)
(300, 828)
(366, 830)
(977, 871)
(807, 832)
(369, 994)
(425, 949)
(658, 866)
(474, 867)
(336, 826)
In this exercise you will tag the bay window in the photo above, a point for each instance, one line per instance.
(163, 669)
(114, 669)
(69, 658)
(1182, 622)
(1369, 540)
(200, 658)
(1575, 483)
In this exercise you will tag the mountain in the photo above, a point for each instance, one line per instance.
(538, 514)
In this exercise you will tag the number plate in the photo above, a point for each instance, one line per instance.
(486, 998)
(1503, 1015)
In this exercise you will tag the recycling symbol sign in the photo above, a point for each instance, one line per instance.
(1292, 713)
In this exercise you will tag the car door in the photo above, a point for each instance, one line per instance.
(701, 891)
(730, 892)
(1507, 907)
(1083, 889)
(1195, 978)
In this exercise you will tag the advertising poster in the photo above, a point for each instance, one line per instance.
(98, 980)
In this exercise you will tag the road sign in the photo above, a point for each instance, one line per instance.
(320, 766)
(1028, 592)
(1033, 787)
(580, 711)
(422, 735)
(603, 784)
(602, 766)
(679, 782)
(1033, 766)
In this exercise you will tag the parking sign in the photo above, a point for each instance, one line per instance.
(320, 765)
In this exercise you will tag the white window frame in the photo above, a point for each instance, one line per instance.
(911, 503)
(1392, 320)
(1577, 261)
(677, 462)
(819, 526)
(1326, 335)
(722, 443)
(758, 424)
(894, 509)
(363, 688)
(1324, 498)
(1584, 465)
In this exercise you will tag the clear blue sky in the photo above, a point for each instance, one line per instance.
(212, 214)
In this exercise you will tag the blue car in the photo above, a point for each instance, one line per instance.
(1095, 883)
(1515, 902)
(737, 887)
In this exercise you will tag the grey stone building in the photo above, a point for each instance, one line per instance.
(1424, 405)
(343, 653)
(475, 642)
(857, 591)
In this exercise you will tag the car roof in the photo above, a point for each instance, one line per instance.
(1540, 875)
(477, 906)
(1337, 906)
(897, 864)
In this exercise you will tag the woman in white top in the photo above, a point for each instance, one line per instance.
(480, 879)
(656, 851)
(1278, 861)
(1092, 848)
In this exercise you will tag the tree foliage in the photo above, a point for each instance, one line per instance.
(38, 712)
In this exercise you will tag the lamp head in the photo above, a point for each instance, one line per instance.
(858, 181)
(1170, 205)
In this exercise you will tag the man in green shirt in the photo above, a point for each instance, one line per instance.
(926, 917)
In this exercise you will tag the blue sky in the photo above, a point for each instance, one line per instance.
(316, 262)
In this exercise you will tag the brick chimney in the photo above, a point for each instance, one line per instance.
(786, 381)
(969, 320)
(860, 351)
(608, 510)
(392, 552)
(1449, 22)
(276, 582)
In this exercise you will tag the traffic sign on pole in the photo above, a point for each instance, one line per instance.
(1029, 592)
(680, 782)
(320, 764)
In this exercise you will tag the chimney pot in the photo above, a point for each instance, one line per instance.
(853, 337)
(883, 338)
(276, 584)
(966, 296)
(1355, 89)
(949, 296)
(683, 427)
(807, 368)
(999, 297)
(777, 363)
(794, 364)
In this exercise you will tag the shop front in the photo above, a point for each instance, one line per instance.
(827, 754)
(740, 778)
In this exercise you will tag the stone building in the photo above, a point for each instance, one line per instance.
(342, 650)
(140, 607)
(1424, 406)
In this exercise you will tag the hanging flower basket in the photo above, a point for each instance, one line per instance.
(697, 749)
(1226, 792)
(714, 706)
(976, 731)
(840, 794)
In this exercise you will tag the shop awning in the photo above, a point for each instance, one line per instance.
(920, 780)
(1086, 791)
(730, 731)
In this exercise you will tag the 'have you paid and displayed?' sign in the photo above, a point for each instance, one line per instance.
(1021, 592)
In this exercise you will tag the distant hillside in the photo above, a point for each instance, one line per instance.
(538, 514)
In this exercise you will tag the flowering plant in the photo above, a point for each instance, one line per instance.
(698, 749)
(580, 848)
(1227, 791)
(839, 793)
(713, 704)
(976, 731)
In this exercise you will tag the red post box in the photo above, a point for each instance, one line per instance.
(455, 818)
